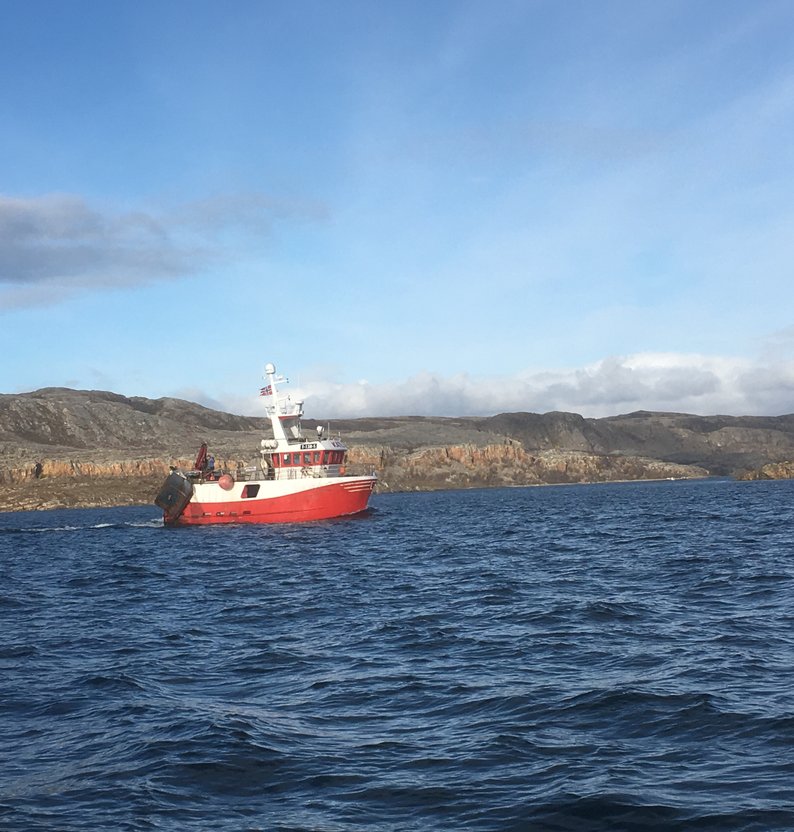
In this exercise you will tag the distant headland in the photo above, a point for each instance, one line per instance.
(61, 447)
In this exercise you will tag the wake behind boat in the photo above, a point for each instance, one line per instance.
(295, 479)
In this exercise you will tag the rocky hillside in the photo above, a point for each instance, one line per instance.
(127, 444)
(721, 444)
(57, 417)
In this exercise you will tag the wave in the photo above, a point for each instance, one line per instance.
(20, 530)
(408, 673)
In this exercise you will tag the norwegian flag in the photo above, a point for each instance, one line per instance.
(266, 391)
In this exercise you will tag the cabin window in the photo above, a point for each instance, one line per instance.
(286, 458)
(251, 490)
(307, 458)
(296, 459)
(316, 458)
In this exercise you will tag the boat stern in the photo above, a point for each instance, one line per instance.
(173, 497)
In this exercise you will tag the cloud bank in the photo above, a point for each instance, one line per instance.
(666, 382)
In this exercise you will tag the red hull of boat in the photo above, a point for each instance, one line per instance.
(339, 499)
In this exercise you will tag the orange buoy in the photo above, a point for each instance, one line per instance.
(226, 482)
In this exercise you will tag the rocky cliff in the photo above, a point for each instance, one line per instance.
(771, 471)
(95, 447)
(471, 466)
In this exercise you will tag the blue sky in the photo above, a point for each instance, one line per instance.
(442, 208)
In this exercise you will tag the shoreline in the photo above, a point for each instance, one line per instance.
(54, 494)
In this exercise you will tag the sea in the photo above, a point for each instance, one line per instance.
(583, 657)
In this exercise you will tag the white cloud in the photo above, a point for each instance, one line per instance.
(645, 381)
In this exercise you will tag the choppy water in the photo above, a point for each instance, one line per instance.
(570, 658)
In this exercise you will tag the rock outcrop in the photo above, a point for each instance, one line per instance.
(470, 466)
(771, 471)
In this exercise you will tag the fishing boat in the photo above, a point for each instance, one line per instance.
(296, 477)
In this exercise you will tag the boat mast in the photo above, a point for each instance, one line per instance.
(283, 412)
